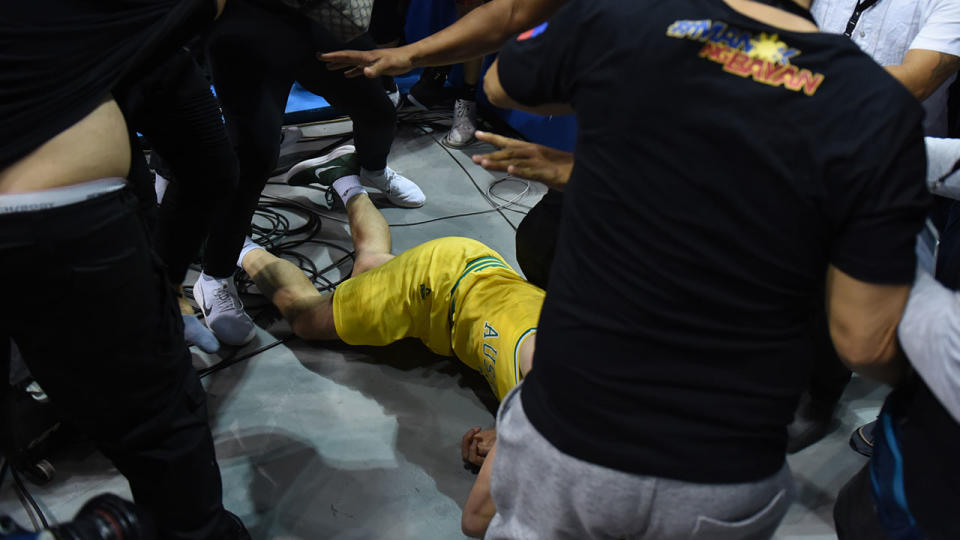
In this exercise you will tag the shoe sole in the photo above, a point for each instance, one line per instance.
(303, 173)
(452, 144)
(405, 205)
(198, 288)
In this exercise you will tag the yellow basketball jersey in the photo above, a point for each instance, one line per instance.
(456, 295)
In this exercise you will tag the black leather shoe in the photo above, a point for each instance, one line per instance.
(861, 440)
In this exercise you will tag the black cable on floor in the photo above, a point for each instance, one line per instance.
(227, 362)
(22, 491)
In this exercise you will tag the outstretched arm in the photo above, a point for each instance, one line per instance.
(479, 32)
(526, 160)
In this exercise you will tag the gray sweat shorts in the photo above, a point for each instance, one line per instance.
(541, 492)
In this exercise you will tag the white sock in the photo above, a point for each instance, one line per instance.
(347, 187)
(248, 246)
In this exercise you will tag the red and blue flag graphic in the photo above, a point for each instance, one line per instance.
(533, 32)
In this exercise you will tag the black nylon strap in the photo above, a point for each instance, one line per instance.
(862, 6)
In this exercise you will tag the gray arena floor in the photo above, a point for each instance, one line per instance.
(320, 440)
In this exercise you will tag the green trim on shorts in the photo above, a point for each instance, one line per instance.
(475, 265)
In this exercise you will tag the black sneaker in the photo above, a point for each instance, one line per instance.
(429, 91)
(861, 440)
(326, 169)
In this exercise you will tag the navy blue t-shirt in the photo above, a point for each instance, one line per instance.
(721, 165)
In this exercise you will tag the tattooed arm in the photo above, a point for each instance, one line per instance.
(923, 71)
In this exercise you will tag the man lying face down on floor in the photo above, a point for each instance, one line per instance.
(456, 295)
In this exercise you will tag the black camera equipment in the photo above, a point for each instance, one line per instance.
(104, 517)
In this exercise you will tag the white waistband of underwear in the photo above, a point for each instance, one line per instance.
(34, 201)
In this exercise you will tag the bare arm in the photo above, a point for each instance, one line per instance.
(479, 32)
(923, 71)
(863, 324)
(499, 97)
(480, 509)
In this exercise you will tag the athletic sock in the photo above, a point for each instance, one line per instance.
(348, 186)
(248, 246)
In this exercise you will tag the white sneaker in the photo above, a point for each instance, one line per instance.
(399, 190)
(223, 311)
(464, 123)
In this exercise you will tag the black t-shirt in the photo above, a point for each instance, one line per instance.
(60, 58)
(721, 165)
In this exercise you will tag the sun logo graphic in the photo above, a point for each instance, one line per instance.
(770, 48)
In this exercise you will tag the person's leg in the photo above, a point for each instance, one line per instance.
(253, 53)
(102, 335)
(386, 22)
(370, 233)
(536, 238)
(854, 513)
(181, 119)
(174, 107)
(311, 314)
(465, 107)
(540, 492)
(374, 119)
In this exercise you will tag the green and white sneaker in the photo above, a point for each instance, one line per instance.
(324, 170)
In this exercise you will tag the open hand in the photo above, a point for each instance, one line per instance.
(390, 61)
(476, 444)
(526, 160)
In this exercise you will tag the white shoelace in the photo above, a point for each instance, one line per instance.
(225, 301)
